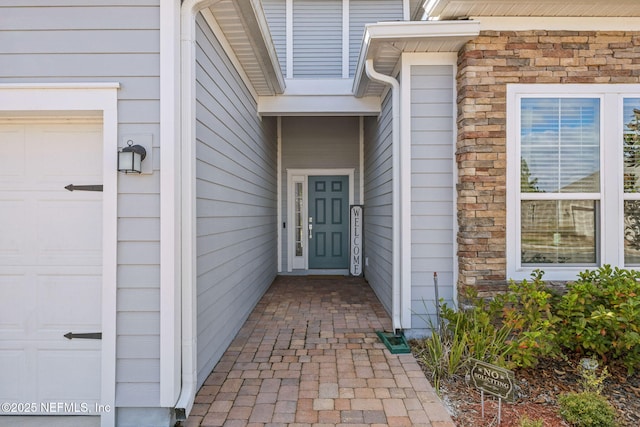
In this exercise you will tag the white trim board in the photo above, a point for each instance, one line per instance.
(345, 38)
(289, 37)
(170, 347)
(21, 99)
(279, 190)
(361, 160)
(318, 105)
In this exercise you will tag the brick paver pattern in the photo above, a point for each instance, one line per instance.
(308, 356)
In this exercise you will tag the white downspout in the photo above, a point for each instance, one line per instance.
(395, 150)
(188, 307)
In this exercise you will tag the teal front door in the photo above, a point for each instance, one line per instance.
(329, 221)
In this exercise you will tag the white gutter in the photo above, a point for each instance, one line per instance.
(395, 150)
(429, 36)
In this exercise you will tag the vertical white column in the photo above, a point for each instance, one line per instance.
(279, 191)
(345, 39)
(289, 37)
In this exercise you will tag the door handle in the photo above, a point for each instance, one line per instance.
(87, 336)
(310, 227)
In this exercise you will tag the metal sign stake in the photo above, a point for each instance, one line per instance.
(435, 288)
(482, 404)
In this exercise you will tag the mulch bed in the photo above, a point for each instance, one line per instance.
(537, 391)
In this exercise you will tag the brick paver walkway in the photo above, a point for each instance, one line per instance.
(308, 356)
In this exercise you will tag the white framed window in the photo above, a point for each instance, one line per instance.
(573, 178)
(631, 179)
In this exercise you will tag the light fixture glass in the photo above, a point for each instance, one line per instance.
(131, 157)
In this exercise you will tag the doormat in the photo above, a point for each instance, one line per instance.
(396, 343)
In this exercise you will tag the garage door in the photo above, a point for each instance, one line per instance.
(50, 265)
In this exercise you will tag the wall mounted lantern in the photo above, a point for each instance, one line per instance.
(131, 157)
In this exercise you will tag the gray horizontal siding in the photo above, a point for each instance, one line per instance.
(317, 32)
(137, 370)
(432, 190)
(378, 200)
(47, 41)
(276, 13)
(318, 143)
(317, 38)
(80, 41)
(363, 12)
(236, 201)
(81, 3)
(113, 15)
(68, 67)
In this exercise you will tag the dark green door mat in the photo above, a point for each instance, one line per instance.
(396, 343)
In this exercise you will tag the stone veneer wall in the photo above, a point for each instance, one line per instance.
(485, 66)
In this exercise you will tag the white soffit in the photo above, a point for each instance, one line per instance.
(245, 28)
(455, 9)
(509, 23)
(385, 43)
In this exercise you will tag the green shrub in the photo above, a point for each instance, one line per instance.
(527, 312)
(528, 422)
(513, 330)
(443, 354)
(485, 338)
(431, 352)
(601, 315)
(590, 380)
(463, 334)
(587, 410)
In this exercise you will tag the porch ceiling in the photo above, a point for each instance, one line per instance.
(245, 28)
(455, 9)
(385, 43)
